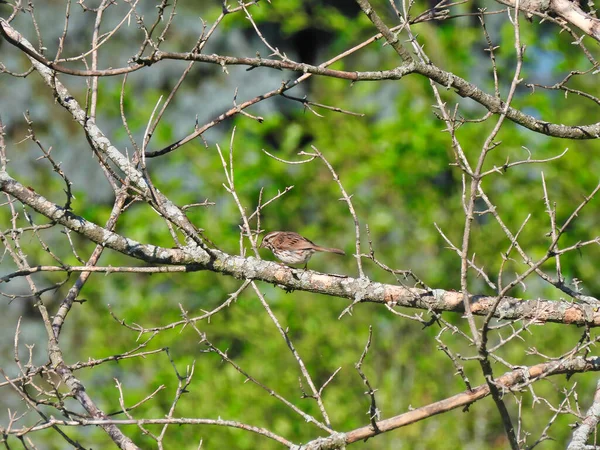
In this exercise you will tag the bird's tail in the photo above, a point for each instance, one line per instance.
(329, 250)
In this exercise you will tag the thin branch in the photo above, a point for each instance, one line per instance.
(374, 413)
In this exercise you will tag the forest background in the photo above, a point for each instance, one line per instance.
(388, 142)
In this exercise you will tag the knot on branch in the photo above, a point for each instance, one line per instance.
(535, 5)
(335, 441)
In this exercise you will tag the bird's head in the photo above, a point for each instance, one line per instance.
(267, 241)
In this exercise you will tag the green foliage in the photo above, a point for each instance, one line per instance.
(396, 163)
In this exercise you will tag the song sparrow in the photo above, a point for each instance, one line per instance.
(291, 248)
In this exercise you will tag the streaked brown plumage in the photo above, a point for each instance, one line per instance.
(291, 248)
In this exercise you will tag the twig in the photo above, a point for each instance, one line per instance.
(374, 413)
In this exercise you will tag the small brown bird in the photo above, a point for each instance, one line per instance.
(291, 248)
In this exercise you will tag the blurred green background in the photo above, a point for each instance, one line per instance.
(395, 161)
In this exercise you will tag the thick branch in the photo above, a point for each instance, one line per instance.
(444, 78)
(291, 279)
(497, 106)
(572, 13)
(508, 381)
(95, 233)
(565, 9)
(431, 71)
(588, 425)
